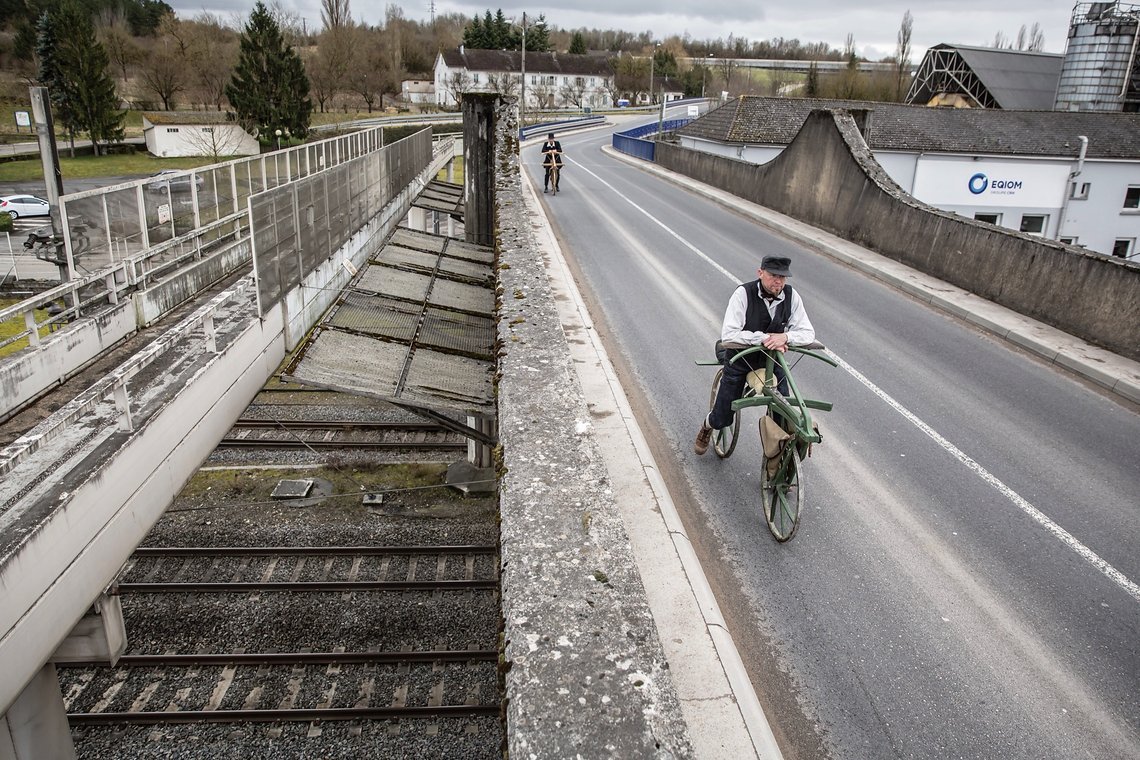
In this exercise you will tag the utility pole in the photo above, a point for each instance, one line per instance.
(53, 180)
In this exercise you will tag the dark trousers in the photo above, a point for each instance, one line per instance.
(546, 179)
(732, 384)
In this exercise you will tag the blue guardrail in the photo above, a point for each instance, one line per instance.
(631, 143)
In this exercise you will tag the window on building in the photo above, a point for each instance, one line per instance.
(1069, 241)
(1132, 197)
(172, 129)
(1079, 192)
(1123, 247)
(988, 217)
(475, 79)
(209, 130)
(1034, 224)
(580, 81)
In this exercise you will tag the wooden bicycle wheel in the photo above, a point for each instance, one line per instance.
(782, 493)
(723, 440)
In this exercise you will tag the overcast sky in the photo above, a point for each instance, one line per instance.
(874, 23)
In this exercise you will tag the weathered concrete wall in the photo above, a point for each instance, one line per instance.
(24, 377)
(586, 673)
(828, 177)
(158, 300)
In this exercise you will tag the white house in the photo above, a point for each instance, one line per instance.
(417, 92)
(1066, 175)
(553, 80)
(664, 89)
(196, 133)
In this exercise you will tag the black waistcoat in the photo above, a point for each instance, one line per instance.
(757, 319)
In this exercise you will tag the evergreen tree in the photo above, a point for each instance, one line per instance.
(537, 37)
(812, 88)
(474, 36)
(269, 89)
(73, 66)
(577, 44)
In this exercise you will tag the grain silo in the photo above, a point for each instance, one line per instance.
(1100, 71)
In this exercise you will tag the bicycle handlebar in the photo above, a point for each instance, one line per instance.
(810, 349)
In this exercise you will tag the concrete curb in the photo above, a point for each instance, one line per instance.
(722, 711)
(1105, 369)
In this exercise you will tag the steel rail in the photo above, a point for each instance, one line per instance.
(307, 551)
(337, 425)
(163, 587)
(306, 658)
(282, 716)
(292, 443)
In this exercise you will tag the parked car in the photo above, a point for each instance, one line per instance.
(174, 180)
(18, 206)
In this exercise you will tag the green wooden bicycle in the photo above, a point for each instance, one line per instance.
(786, 443)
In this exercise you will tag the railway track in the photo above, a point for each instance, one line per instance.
(340, 568)
(193, 683)
(262, 626)
(333, 434)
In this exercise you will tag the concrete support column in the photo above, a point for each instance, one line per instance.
(99, 638)
(479, 167)
(476, 473)
(35, 726)
(417, 220)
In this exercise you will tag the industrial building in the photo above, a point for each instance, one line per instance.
(1100, 70)
(1072, 176)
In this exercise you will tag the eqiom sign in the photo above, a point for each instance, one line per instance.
(979, 183)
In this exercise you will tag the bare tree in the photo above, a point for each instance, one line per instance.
(322, 83)
(1036, 38)
(574, 91)
(505, 83)
(217, 141)
(335, 14)
(457, 83)
(1022, 35)
(394, 24)
(1000, 40)
(166, 70)
(367, 70)
(115, 35)
(213, 52)
(543, 92)
(726, 67)
(849, 79)
(902, 53)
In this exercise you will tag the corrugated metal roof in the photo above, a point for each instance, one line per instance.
(416, 327)
(894, 126)
(1017, 79)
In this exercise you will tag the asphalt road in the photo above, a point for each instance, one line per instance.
(951, 590)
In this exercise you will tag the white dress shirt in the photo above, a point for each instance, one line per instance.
(799, 329)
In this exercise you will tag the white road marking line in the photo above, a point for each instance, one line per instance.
(1040, 517)
(1087, 554)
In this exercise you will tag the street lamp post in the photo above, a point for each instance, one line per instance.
(652, 60)
(705, 76)
(278, 133)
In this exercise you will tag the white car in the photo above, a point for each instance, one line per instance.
(175, 180)
(24, 205)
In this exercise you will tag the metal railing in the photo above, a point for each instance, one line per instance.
(109, 225)
(632, 142)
